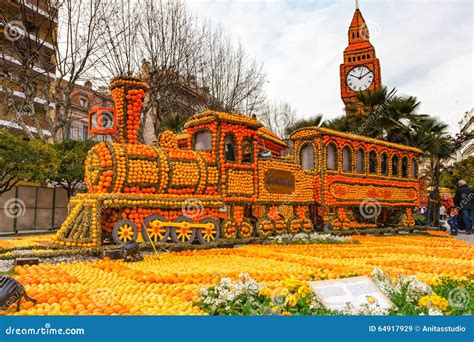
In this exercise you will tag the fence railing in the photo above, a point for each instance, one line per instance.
(27, 209)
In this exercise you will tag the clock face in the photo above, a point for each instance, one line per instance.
(359, 78)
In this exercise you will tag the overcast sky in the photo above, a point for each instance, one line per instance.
(425, 48)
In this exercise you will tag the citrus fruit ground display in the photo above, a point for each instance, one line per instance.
(169, 283)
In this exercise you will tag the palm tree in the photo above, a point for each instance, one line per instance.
(379, 114)
(173, 122)
(313, 121)
(432, 138)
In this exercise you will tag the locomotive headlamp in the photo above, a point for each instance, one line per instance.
(102, 121)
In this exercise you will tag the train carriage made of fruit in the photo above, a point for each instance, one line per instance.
(225, 176)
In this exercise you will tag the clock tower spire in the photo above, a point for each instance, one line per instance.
(361, 68)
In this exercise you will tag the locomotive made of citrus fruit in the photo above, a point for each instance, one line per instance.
(227, 176)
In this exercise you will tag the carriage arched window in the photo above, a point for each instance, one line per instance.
(346, 159)
(414, 168)
(331, 162)
(373, 162)
(360, 160)
(307, 157)
(405, 167)
(229, 147)
(247, 151)
(395, 165)
(384, 164)
(203, 140)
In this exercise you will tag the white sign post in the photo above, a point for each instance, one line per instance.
(335, 294)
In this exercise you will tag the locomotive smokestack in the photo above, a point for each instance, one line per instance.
(128, 94)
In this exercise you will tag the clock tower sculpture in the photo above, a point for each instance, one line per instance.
(361, 69)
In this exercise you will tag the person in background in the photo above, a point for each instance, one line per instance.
(453, 222)
(464, 204)
(442, 212)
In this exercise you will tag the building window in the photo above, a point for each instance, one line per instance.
(384, 164)
(247, 151)
(414, 168)
(331, 162)
(203, 140)
(363, 56)
(307, 157)
(368, 56)
(360, 160)
(229, 146)
(395, 165)
(405, 167)
(85, 133)
(358, 58)
(373, 162)
(83, 102)
(346, 159)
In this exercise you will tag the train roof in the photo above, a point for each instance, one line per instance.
(210, 116)
(308, 132)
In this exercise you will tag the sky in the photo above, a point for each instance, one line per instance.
(425, 49)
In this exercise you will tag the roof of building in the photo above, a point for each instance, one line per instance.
(357, 19)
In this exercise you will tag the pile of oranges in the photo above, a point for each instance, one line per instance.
(168, 284)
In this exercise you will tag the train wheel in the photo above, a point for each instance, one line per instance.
(280, 226)
(265, 226)
(307, 225)
(184, 233)
(206, 235)
(124, 231)
(229, 228)
(294, 225)
(245, 229)
(154, 229)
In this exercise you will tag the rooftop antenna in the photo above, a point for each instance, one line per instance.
(357, 4)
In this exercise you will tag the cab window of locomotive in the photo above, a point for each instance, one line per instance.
(384, 164)
(346, 159)
(307, 157)
(247, 151)
(202, 141)
(405, 167)
(332, 157)
(395, 164)
(229, 145)
(373, 162)
(360, 159)
(414, 169)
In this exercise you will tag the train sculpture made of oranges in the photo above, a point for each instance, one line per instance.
(226, 176)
